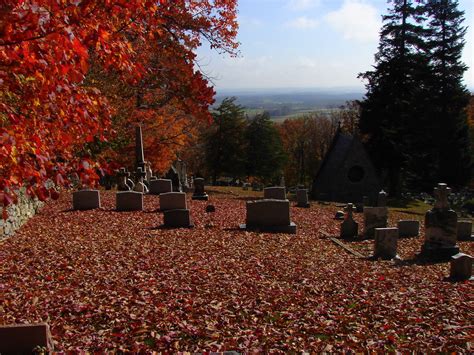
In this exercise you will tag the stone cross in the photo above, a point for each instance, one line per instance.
(441, 194)
(123, 175)
(349, 209)
(140, 186)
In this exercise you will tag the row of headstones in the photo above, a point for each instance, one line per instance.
(442, 232)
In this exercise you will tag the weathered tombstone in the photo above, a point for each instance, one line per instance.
(149, 174)
(182, 174)
(374, 217)
(86, 199)
(177, 218)
(349, 227)
(382, 199)
(464, 231)
(24, 338)
(173, 201)
(302, 198)
(461, 267)
(199, 193)
(385, 244)
(160, 186)
(408, 228)
(129, 201)
(275, 193)
(269, 215)
(441, 224)
(140, 186)
(123, 181)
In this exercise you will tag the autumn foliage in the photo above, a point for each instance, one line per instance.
(55, 61)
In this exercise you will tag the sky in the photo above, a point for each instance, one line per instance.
(306, 44)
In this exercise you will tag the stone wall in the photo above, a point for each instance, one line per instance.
(18, 214)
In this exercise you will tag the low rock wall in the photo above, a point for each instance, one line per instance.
(18, 214)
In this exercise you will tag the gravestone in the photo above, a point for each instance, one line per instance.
(86, 199)
(23, 338)
(349, 227)
(160, 186)
(441, 224)
(177, 218)
(149, 177)
(123, 181)
(461, 267)
(374, 217)
(140, 185)
(173, 201)
(385, 244)
(270, 216)
(275, 193)
(464, 231)
(129, 201)
(245, 186)
(173, 175)
(408, 228)
(302, 198)
(199, 193)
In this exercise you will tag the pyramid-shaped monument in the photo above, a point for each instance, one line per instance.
(346, 173)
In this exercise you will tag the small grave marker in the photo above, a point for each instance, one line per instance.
(302, 198)
(160, 186)
(199, 193)
(23, 338)
(408, 228)
(269, 215)
(178, 218)
(349, 227)
(461, 267)
(374, 217)
(129, 201)
(464, 231)
(173, 201)
(275, 193)
(86, 200)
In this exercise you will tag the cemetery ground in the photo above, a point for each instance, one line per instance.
(106, 280)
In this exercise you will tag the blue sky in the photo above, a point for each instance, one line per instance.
(303, 44)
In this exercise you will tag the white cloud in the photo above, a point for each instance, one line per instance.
(356, 20)
(299, 5)
(302, 22)
(245, 21)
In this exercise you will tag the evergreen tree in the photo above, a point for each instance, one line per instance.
(265, 155)
(447, 93)
(395, 92)
(225, 140)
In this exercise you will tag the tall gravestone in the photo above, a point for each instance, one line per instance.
(199, 193)
(139, 155)
(440, 228)
(349, 227)
(376, 217)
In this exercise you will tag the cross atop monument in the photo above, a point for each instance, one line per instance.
(349, 209)
(122, 172)
(441, 194)
(140, 174)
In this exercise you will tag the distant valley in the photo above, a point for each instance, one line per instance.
(282, 104)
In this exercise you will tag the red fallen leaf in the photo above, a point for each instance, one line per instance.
(381, 278)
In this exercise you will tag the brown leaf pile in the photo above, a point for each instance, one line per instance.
(107, 280)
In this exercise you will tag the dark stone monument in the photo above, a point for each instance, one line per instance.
(440, 228)
(139, 155)
(173, 175)
(86, 200)
(199, 193)
(178, 218)
(24, 338)
(123, 181)
(269, 216)
(461, 267)
(349, 227)
(346, 173)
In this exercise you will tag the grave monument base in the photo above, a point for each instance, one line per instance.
(436, 253)
(289, 229)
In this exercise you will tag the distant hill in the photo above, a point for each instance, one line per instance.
(285, 103)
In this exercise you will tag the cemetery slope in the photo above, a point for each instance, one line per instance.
(104, 279)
